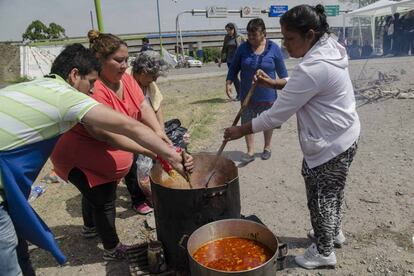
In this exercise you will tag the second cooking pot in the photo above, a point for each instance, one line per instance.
(233, 228)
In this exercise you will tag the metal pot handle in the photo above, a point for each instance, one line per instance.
(282, 252)
(221, 192)
(184, 239)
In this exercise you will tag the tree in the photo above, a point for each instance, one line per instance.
(56, 31)
(37, 30)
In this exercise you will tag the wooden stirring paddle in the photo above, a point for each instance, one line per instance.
(187, 174)
(245, 103)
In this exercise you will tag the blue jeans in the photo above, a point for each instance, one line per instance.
(14, 253)
(8, 244)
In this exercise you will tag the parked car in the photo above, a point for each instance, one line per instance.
(192, 62)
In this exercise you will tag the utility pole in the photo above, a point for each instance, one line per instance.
(91, 19)
(159, 25)
(99, 15)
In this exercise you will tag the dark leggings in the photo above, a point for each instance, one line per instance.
(98, 207)
(325, 192)
(131, 181)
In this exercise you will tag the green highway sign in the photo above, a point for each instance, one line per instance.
(332, 10)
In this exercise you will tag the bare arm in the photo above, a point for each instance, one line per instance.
(236, 132)
(149, 118)
(228, 89)
(160, 117)
(263, 79)
(118, 141)
(103, 117)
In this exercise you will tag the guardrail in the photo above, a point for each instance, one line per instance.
(208, 38)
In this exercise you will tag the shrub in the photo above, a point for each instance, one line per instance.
(211, 54)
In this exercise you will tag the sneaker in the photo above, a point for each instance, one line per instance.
(266, 154)
(142, 208)
(89, 232)
(115, 254)
(339, 240)
(313, 259)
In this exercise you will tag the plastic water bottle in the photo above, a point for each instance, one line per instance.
(37, 191)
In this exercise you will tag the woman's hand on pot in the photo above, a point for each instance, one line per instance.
(182, 166)
(188, 162)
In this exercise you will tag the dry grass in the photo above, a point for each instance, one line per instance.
(200, 109)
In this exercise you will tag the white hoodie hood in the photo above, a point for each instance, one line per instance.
(328, 50)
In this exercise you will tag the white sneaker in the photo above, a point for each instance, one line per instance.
(338, 240)
(313, 259)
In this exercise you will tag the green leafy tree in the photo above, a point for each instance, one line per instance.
(56, 31)
(37, 30)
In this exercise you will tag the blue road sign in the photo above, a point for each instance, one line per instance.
(277, 10)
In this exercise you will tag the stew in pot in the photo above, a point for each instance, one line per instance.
(233, 254)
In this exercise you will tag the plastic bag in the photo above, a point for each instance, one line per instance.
(144, 165)
(176, 133)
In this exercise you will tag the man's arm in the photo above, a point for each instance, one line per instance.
(118, 141)
(103, 117)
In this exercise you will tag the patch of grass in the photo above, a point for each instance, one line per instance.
(19, 80)
(198, 108)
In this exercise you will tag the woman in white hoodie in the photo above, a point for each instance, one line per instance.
(321, 95)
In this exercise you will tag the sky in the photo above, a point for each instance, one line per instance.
(126, 16)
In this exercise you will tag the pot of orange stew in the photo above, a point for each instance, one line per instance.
(233, 247)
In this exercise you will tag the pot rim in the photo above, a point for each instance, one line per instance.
(195, 188)
(272, 258)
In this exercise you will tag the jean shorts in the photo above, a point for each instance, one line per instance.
(252, 111)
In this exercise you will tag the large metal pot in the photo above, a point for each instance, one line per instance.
(233, 228)
(180, 209)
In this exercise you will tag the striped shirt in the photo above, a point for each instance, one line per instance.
(34, 111)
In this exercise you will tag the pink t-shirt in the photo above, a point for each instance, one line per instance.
(100, 162)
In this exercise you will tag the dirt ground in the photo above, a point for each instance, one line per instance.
(9, 62)
(379, 210)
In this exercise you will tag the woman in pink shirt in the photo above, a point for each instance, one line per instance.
(95, 160)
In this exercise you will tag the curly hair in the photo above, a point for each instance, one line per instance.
(149, 62)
